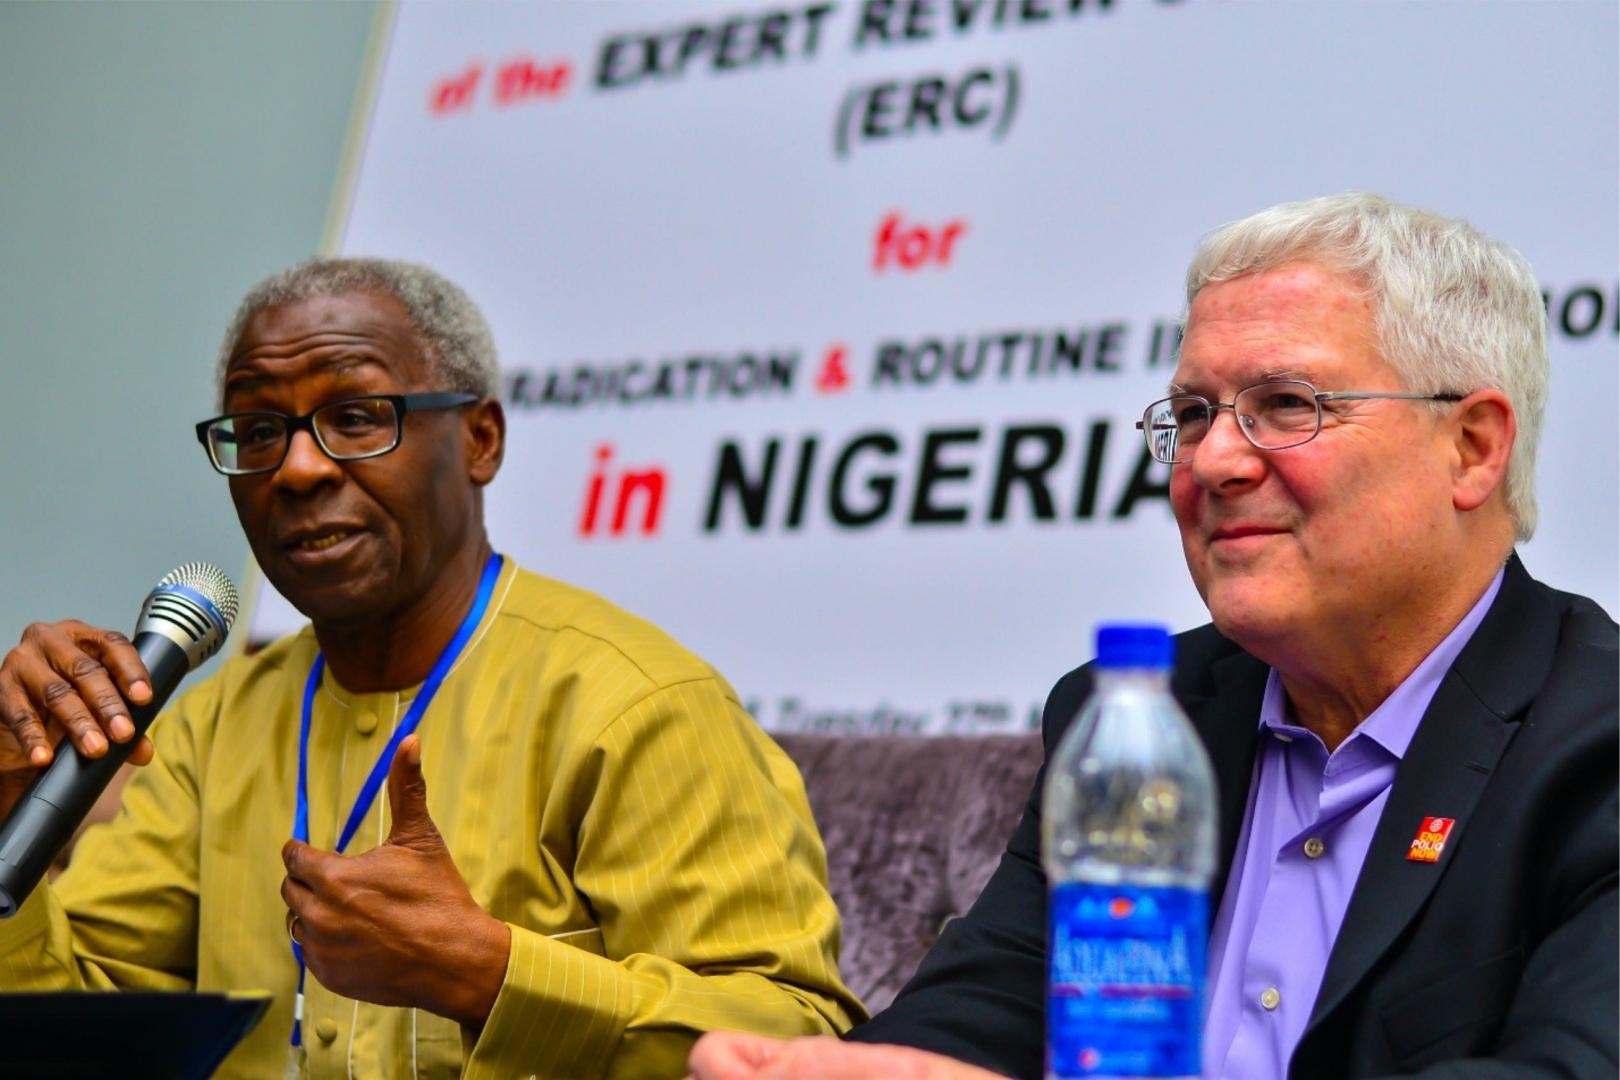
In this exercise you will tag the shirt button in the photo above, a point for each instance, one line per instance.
(366, 722)
(326, 1030)
(1314, 848)
(1269, 998)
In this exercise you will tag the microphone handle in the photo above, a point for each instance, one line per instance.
(59, 799)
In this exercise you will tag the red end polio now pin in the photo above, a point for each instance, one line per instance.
(1431, 839)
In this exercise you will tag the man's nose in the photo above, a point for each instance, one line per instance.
(1225, 458)
(306, 465)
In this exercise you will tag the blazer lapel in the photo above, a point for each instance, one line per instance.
(1443, 773)
(1446, 768)
(1229, 724)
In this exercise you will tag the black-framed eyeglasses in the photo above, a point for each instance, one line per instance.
(242, 444)
(1274, 415)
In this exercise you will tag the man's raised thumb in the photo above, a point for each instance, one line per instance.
(407, 798)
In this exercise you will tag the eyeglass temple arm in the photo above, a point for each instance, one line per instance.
(1372, 395)
(439, 399)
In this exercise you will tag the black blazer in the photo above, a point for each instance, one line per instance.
(1499, 960)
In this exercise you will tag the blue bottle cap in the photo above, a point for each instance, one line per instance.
(1134, 645)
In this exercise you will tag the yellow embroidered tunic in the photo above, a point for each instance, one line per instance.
(602, 791)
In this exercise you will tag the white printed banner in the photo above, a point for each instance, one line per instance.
(824, 326)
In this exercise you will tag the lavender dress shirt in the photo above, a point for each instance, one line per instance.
(1310, 818)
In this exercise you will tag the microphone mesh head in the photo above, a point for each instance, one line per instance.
(211, 582)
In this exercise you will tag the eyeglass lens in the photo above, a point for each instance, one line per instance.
(254, 442)
(1274, 416)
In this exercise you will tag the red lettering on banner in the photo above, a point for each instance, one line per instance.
(913, 246)
(648, 482)
(455, 92)
(833, 377)
(593, 490)
(652, 482)
(524, 80)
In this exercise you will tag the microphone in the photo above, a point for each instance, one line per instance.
(183, 622)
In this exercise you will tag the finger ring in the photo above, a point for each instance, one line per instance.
(292, 927)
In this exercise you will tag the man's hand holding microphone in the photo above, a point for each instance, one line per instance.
(72, 680)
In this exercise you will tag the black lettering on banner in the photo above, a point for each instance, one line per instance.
(730, 44)
(1164, 350)
(963, 369)
(1110, 343)
(890, 355)
(924, 511)
(772, 34)
(1096, 446)
(981, 98)
(663, 383)
(879, 104)
(870, 469)
(1006, 355)
(727, 54)
(608, 72)
(925, 98)
(968, 115)
(779, 371)
(1145, 483)
(742, 375)
(1574, 321)
(1070, 350)
(638, 382)
(1583, 310)
(692, 369)
(892, 22)
(801, 482)
(630, 380)
(929, 362)
(730, 475)
(795, 715)
(692, 40)
(881, 485)
(1009, 350)
(1031, 475)
(976, 717)
(874, 21)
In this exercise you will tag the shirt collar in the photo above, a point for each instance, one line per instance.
(1395, 721)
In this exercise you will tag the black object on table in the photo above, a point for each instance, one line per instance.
(123, 1033)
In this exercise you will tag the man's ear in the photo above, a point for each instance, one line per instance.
(1483, 429)
(485, 431)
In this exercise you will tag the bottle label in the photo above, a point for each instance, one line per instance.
(1125, 980)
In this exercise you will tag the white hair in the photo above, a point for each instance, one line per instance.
(454, 336)
(1454, 310)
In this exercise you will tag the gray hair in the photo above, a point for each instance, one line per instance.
(1454, 310)
(455, 338)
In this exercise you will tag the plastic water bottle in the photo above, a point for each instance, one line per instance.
(1128, 841)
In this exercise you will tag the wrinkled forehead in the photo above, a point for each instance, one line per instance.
(1299, 321)
(336, 334)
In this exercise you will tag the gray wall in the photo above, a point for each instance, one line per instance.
(155, 160)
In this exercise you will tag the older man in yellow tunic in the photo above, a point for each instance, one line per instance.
(587, 854)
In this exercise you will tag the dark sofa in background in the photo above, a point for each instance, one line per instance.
(914, 825)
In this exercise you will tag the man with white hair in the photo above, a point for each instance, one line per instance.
(1414, 741)
(588, 853)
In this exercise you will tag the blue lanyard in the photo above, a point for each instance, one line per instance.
(379, 771)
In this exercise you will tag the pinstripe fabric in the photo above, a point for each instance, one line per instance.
(602, 791)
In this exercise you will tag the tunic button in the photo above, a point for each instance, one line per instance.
(366, 723)
(1314, 848)
(1269, 998)
(326, 1030)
